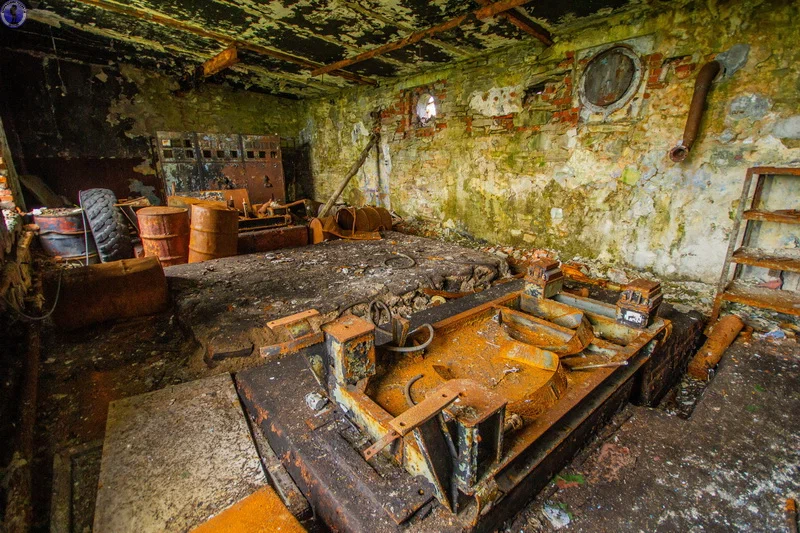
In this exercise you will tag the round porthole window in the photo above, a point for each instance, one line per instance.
(610, 80)
(427, 107)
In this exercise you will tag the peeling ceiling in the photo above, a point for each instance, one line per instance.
(285, 39)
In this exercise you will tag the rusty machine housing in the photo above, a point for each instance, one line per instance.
(456, 424)
(192, 162)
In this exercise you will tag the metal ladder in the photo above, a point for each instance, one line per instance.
(731, 290)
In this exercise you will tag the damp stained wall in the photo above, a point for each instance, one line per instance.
(514, 157)
(80, 125)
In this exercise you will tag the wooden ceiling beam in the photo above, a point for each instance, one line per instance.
(219, 37)
(523, 23)
(488, 11)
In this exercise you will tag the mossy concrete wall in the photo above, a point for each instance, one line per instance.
(514, 157)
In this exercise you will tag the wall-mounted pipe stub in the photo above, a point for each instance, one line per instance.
(701, 87)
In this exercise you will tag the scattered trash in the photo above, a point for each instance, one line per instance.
(557, 517)
(775, 334)
(316, 401)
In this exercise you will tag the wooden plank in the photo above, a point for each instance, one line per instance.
(773, 260)
(221, 61)
(787, 216)
(484, 12)
(787, 302)
(219, 37)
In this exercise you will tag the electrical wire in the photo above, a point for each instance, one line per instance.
(85, 229)
(50, 312)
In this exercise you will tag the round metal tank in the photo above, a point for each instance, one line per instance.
(364, 218)
(97, 293)
(215, 232)
(165, 233)
(62, 234)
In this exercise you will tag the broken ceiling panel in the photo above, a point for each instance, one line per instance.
(286, 38)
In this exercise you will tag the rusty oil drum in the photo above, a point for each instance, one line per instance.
(62, 234)
(97, 293)
(165, 233)
(214, 234)
(366, 218)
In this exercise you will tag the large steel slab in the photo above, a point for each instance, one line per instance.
(175, 457)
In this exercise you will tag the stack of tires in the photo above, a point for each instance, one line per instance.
(108, 224)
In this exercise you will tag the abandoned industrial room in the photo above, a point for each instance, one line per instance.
(399, 266)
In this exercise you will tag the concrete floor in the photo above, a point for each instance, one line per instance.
(727, 468)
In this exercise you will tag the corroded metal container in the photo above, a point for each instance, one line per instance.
(214, 234)
(165, 233)
(62, 234)
(366, 218)
(119, 289)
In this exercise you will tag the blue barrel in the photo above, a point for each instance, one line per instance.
(62, 234)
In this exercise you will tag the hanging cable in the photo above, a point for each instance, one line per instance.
(50, 312)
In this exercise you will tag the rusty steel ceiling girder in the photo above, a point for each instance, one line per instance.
(523, 23)
(484, 12)
(220, 37)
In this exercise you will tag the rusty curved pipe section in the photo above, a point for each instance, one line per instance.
(701, 87)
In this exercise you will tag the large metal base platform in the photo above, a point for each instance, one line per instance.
(323, 450)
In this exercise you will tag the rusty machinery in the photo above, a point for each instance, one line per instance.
(454, 425)
(190, 161)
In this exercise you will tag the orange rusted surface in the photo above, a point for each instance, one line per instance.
(261, 512)
(348, 327)
(720, 336)
(215, 232)
(481, 350)
(165, 233)
(120, 289)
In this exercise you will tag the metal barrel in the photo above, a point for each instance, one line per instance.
(96, 293)
(165, 233)
(366, 218)
(62, 234)
(215, 232)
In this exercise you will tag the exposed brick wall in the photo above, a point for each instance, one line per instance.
(399, 119)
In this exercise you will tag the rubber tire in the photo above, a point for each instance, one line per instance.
(108, 225)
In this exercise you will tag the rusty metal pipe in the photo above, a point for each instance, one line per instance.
(721, 335)
(701, 87)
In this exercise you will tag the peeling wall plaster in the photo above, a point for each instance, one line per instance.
(538, 173)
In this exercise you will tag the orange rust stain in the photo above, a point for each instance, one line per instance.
(261, 512)
(473, 351)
